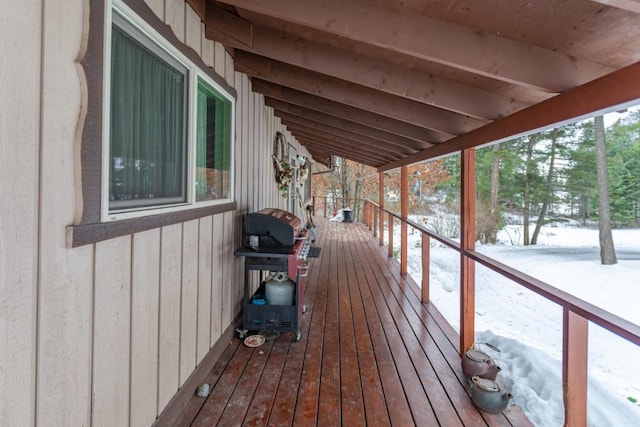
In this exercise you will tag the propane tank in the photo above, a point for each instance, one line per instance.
(279, 289)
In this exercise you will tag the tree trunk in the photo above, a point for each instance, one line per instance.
(344, 183)
(548, 190)
(494, 209)
(607, 250)
(527, 189)
(357, 205)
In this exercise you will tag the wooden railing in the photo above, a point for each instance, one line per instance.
(577, 313)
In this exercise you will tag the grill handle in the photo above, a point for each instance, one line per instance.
(303, 269)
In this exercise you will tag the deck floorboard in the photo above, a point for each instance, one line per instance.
(370, 353)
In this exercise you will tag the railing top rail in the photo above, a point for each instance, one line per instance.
(442, 239)
(597, 315)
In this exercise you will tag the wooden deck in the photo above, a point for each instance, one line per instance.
(370, 354)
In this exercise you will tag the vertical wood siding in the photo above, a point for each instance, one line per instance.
(205, 288)
(170, 294)
(111, 332)
(19, 191)
(65, 298)
(106, 334)
(145, 306)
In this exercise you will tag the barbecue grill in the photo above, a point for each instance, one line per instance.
(276, 242)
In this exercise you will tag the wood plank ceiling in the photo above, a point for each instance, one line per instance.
(388, 83)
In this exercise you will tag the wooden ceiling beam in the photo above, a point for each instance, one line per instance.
(630, 5)
(343, 141)
(374, 142)
(199, 7)
(336, 150)
(369, 162)
(225, 27)
(618, 89)
(318, 155)
(354, 114)
(434, 40)
(345, 124)
(354, 95)
(376, 74)
(322, 159)
(340, 145)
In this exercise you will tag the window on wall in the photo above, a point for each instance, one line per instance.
(170, 127)
(213, 153)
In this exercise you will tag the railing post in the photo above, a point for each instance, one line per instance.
(390, 248)
(467, 243)
(313, 206)
(426, 247)
(575, 348)
(381, 200)
(365, 215)
(325, 206)
(404, 212)
(374, 214)
(381, 225)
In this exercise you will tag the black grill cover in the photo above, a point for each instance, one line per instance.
(274, 228)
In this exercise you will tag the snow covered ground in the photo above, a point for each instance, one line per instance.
(528, 328)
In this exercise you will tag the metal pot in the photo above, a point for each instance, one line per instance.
(479, 363)
(488, 395)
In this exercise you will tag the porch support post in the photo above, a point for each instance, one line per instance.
(374, 216)
(381, 201)
(364, 216)
(574, 368)
(404, 212)
(467, 243)
(426, 247)
(390, 247)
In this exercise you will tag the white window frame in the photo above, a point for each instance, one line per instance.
(193, 74)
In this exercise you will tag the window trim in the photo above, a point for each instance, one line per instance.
(129, 22)
(88, 226)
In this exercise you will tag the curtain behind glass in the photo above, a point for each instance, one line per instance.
(205, 188)
(148, 141)
(213, 147)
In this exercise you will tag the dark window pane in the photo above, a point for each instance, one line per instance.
(213, 156)
(148, 138)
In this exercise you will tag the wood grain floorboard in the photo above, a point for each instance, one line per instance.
(372, 393)
(446, 340)
(419, 403)
(221, 393)
(195, 404)
(352, 402)
(329, 410)
(370, 353)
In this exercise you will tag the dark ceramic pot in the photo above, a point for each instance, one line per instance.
(488, 395)
(479, 363)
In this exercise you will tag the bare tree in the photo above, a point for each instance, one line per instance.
(607, 250)
(549, 188)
